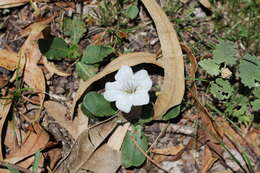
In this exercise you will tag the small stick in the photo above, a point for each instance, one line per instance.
(148, 157)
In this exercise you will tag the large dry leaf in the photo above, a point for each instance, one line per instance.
(35, 142)
(14, 3)
(33, 75)
(208, 160)
(8, 59)
(104, 160)
(5, 105)
(53, 69)
(130, 59)
(84, 147)
(59, 111)
(172, 90)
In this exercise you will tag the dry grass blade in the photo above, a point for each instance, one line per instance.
(14, 3)
(172, 90)
(130, 59)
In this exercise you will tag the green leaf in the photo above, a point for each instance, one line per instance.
(130, 154)
(36, 161)
(53, 49)
(132, 12)
(256, 92)
(75, 28)
(221, 89)
(74, 51)
(224, 52)
(96, 53)
(173, 113)
(11, 169)
(85, 71)
(238, 107)
(249, 69)
(97, 105)
(256, 104)
(210, 66)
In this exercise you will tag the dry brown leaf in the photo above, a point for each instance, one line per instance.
(117, 138)
(205, 3)
(8, 59)
(54, 155)
(208, 160)
(168, 151)
(33, 75)
(15, 3)
(84, 147)
(130, 59)
(35, 142)
(172, 61)
(53, 69)
(59, 111)
(104, 160)
(5, 105)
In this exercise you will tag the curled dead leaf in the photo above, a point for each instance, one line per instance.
(8, 59)
(14, 3)
(53, 69)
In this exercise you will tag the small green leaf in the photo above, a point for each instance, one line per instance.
(11, 169)
(53, 49)
(75, 28)
(85, 71)
(256, 104)
(130, 154)
(173, 113)
(132, 12)
(97, 105)
(74, 51)
(36, 161)
(221, 89)
(224, 52)
(96, 53)
(256, 92)
(238, 107)
(210, 66)
(249, 69)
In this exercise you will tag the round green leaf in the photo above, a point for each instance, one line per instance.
(97, 105)
(132, 12)
(96, 53)
(130, 154)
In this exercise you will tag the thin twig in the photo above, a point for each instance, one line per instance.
(15, 166)
(148, 157)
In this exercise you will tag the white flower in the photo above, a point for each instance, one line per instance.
(129, 89)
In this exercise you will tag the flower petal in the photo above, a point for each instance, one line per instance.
(140, 98)
(113, 86)
(124, 73)
(111, 95)
(143, 80)
(124, 103)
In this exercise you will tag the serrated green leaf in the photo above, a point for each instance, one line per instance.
(75, 28)
(221, 89)
(249, 69)
(210, 66)
(224, 52)
(173, 113)
(97, 105)
(96, 53)
(73, 51)
(132, 12)
(130, 154)
(54, 49)
(237, 107)
(256, 92)
(256, 104)
(85, 71)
